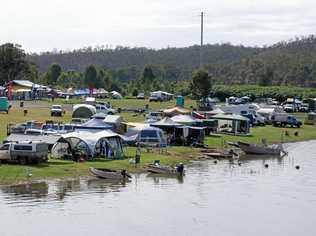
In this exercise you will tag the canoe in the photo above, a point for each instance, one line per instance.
(160, 169)
(260, 149)
(109, 174)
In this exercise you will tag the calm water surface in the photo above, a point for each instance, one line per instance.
(212, 199)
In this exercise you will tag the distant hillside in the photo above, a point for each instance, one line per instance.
(292, 62)
(183, 59)
(286, 63)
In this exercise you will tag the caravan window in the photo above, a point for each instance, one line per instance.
(22, 147)
(149, 134)
(5, 147)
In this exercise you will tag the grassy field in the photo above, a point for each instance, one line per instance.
(61, 169)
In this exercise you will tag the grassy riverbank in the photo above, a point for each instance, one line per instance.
(62, 169)
(14, 174)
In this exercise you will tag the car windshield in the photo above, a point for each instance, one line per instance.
(56, 106)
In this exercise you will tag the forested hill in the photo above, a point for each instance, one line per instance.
(285, 63)
(291, 62)
(180, 59)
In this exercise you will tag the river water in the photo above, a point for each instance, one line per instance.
(212, 199)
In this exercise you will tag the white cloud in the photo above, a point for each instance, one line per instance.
(41, 25)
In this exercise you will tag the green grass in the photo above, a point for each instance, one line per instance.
(14, 174)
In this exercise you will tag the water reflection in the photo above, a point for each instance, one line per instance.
(158, 178)
(211, 199)
(26, 191)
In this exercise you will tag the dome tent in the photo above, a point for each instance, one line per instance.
(83, 111)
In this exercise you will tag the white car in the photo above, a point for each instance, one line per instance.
(105, 108)
(154, 116)
(56, 110)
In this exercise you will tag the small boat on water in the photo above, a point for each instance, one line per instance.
(110, 174)
(261, 149)
(160, 169)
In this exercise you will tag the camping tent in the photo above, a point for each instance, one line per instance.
(97, 142)
(83, 111)
(145, 134)
(116, 95)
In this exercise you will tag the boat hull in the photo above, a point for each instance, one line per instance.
(158, 169)
(258, 150)
(107, 174)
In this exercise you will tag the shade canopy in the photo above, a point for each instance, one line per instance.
(184, 119)
(166, 122)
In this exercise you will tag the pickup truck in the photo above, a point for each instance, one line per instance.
(283, 120)
(24, 152)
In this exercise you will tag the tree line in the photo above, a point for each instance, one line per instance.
(134, 70)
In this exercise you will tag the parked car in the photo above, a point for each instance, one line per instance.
(141, 96)
(56, 110)
(304, 107)
(154, 99)
(283, 120)
(289, 108)
(154, 115)
(24, 152)
(105, 108)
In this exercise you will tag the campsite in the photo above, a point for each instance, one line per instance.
(96, 133)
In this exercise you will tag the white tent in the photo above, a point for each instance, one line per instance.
(116, 95)
(104, 142)
(184, 119)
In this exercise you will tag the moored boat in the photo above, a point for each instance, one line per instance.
(260, 149)
(160, 169)
(110, 174)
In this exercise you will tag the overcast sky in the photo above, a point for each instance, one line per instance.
(42, 25)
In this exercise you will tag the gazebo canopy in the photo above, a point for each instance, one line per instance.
(184, 119)
(166, 122)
